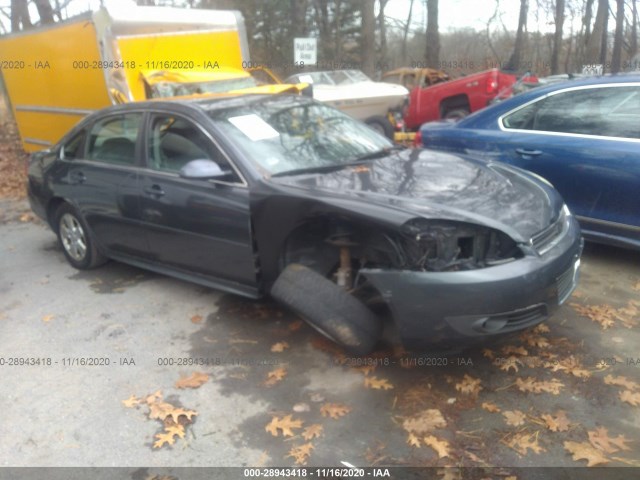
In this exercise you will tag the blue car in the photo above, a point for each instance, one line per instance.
(583, 136)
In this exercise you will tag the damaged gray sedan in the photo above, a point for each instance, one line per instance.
(281, 195)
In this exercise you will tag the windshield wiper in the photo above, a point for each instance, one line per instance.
(329, 168)
(383, 152)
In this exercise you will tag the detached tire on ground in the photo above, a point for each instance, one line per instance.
(328, 308)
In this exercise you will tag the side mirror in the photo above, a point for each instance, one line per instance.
(201, 170)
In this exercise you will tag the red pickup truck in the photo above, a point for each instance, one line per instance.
(432, 96)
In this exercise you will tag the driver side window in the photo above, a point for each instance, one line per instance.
(174, 142)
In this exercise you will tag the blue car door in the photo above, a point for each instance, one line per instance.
(586, 142)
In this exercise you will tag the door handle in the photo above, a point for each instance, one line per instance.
(154, 191)
(528, 153)
(77, 177)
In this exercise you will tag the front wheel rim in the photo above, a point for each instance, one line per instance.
(73, 237)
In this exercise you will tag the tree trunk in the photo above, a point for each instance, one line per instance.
(515, 61)
(298, 9)
(368, 37)
(44, 11)
(557, 38)
(594, 45)
(20, 15)
(616, 59)
(586, 31)
(383, 33)
(406, 34)
(432, 55)
(603, 41)
(634, 30)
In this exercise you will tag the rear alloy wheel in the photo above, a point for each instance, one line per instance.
(75, 239)
(328, 308)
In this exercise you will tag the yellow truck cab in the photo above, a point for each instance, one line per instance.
(57, 74)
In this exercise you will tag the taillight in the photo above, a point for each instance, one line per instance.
(492, 85)
(417, 140)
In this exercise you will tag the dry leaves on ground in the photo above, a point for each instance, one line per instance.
(606, 315)
(275, 376)
(424, 422)
(334, 410)
(312, 431)
(632, 398)
(469, 385)
(195, 380)
(279, 347)
(522, 442)
(491, 407)
(600, 439)
(286, 425)
(13, 159)
(514, 418)
(585, 451)
(413, 440)
(377, 383)
(301, 453)
(621, 381)
(440, 446)
(196, 319)
(557, 422)
(530, 384)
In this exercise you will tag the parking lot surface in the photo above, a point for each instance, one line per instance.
(98, 367)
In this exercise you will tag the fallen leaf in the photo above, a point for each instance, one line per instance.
(195, 380)
(487, 353)
(530, 384)
(154, 397)
(294, 326)
(279, 347)
(621, 382)
(413, 440)
(604, 315)
(490, 407)
(585, 451)
(365, 369)
(176, 429)
(537, 341)
(542, 328)
(600, 439)
(440, 446)
(334, 410)
(512, 349)
(632, 398)
(160, 410)
(163, 438)
(514, 418)
(377, 383)
(424, 422)
(469, 385)
(506, 364)
(521, 442)
(285, 424)
(275, 376)
(131, 402)
(556, 423)
(176, 413)
(312, 431)
(196, 319)
(301, 453)
(47, 318)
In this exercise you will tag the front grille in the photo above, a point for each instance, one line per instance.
(544, 240)
(565, 284)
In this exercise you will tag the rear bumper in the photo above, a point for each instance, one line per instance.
(449, 310)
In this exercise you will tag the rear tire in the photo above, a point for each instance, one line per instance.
(328, 308)
(381, 125)
(76, 240)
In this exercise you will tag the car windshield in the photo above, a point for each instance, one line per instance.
(294, 134)
(176, 89)
(333, 77)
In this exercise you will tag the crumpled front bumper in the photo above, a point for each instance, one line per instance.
(450, 310)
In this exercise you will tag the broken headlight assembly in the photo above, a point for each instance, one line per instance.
(443, 246)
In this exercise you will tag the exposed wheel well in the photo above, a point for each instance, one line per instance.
(453, 103)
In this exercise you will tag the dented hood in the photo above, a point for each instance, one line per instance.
(430, 184)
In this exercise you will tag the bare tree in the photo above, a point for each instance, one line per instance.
(594, 52)
(515, 61)
(368, 36)
(432, 53)
(45, 12)
(406, 34)
(616, 59)
(20, 15)
(382, 28)
(557, 38)
(633, 44)
(298, 9)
